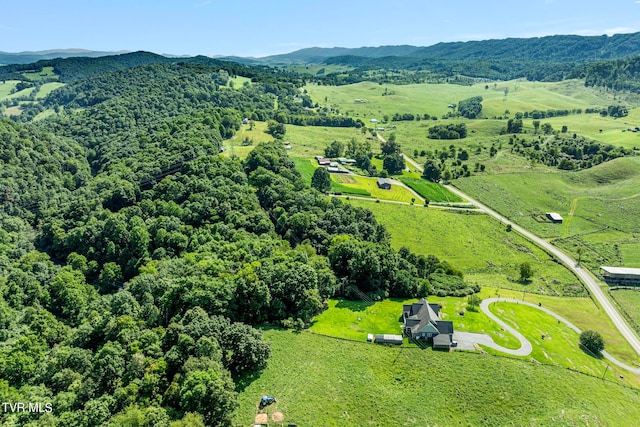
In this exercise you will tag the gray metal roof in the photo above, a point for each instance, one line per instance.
(621, 270)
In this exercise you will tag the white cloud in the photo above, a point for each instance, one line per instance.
(203, 4)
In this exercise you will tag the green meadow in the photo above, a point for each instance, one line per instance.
(599, 204)
(475, 243)
(325, 381)
(6, 87)
(47, 88)
(45, 74)
(434, 99)
(628, 302)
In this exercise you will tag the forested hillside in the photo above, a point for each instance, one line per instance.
(135, 261)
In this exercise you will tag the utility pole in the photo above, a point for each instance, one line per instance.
(605, 371)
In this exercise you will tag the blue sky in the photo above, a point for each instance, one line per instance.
(259, 28)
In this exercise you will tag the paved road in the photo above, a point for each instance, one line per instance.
(592, 284)
(583, 275)
(525, 345)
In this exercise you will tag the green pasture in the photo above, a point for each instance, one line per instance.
(603, 196)
(310, 141)
(306, 167)
(555, 343)
(396, 193)
(20, 94)
(6, 87)
(477, 244)
(581, 311)
(13, 111)
(324, 381)
(238, 82)
(628, 301)
(46, 74)
(256, 135)
(43, 115)
(355, 319)
(600, 206)
(434, 99)
(631, 253)
(47, 88)
(430, 190)
(417, 98)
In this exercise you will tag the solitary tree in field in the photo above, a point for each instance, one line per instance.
(321, 180)
(526, 271)
(593, 341)
(431, 171)
(536, 126)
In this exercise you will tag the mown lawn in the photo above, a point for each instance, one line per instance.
(555, 343)
(396, 193)
(323, 381)
(430, 190)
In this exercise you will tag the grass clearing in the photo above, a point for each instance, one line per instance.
(355, 319)
(628, 301)
(45, 74)
(477, 244)
(6, 87)
(310, 141)
(330, 382)
(306, 167)
(369, 185)
(555, 343)
(600, 206)
(47, 88)
(430, 190)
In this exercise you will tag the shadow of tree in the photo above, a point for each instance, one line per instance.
(354, 305)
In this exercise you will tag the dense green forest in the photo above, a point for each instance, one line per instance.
(136, 261)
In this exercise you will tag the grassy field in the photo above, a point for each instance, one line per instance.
(310, 141)
(256, 135)
(396, 193)
(476, 244)
(600, 206)
(434, 98)
(7, 87)
(46, 74)
(355, 319)
(555, 343)
(628, 301)
(47, 88)
(324, 381)
(430, 190)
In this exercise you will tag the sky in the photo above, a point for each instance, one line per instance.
(266, 27)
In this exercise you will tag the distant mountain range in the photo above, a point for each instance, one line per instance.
(560, 48)
(29, 57)
(612, 61)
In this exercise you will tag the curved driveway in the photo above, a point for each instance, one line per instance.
(525, 346)
(570, 263)
(592, 284)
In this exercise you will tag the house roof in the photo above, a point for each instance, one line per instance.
(419, 315)
(442, 340)
(384, 181)
(445, 326)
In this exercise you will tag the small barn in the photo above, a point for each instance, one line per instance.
(621, 275)
(388, 339)
(384, 183)
(323, 162)
(554, 217)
